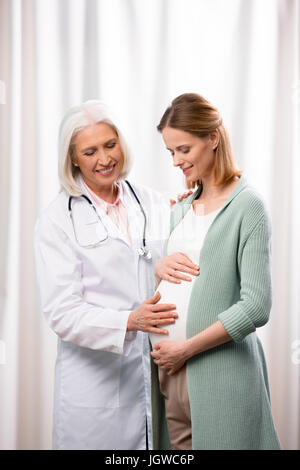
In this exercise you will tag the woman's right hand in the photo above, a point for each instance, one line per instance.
(180, 197)
(150, 315)
(171, 268)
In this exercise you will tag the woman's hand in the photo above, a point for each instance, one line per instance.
(172, 355)
(180, 197)
(170, 268)
(169, 355)
(150, 315)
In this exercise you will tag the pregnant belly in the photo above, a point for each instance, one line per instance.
(179, 295)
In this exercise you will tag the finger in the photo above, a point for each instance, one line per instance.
(175, 369)
(179, 275)
(184, 259)
(161, 315)
(184, 195)
(163, 308)
(167, 277)
(180, 258)
(154, 299)
(156, 357)
(185, 269)
(157, 331)
(160, 363)
(181, 264)
(155, 318)
(155, 354)
(172, 202)
(162, 321)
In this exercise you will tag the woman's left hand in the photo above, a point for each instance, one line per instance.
(170, 355)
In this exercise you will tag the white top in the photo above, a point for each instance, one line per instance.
(187, 237)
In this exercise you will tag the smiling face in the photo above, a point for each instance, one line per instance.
(193, 155)
(98, 154)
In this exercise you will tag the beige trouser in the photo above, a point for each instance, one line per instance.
(177, 405)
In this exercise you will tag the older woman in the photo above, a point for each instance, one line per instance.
(211, 387)
(96, 245)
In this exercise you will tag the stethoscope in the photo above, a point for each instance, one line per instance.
(143, 251)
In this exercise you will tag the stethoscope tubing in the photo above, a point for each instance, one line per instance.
(142, 210)
(144, 250)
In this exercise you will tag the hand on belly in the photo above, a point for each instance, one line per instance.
(172, 268)
(169, 355)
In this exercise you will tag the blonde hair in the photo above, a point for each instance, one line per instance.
(192, 113)
(76, 119)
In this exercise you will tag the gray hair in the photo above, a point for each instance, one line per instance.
(76, 119)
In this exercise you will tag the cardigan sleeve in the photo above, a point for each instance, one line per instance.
(253, 308)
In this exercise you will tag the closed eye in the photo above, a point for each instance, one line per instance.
(181, 148)
(111, 145)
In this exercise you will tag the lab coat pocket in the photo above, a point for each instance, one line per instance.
(92, 378)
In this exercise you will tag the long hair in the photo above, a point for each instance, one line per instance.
(192, 113)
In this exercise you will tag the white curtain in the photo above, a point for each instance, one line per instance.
(137, 55)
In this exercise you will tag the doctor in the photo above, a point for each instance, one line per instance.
(95, 247)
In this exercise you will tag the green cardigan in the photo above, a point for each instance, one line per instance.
(228, 385)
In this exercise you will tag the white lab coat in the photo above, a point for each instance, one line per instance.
(102, 373)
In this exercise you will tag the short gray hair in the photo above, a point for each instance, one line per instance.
(76, 119)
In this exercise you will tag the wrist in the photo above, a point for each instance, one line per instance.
(190, 348)
(186, 350)
(131, 322)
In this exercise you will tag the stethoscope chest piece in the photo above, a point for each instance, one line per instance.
(144, 253)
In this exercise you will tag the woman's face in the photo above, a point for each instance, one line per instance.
(98, 154)
(193, 155)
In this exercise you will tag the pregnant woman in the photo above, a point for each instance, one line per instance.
(210, 389)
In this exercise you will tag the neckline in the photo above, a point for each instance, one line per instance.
(97, 200)
(240, 185)
(205, 215)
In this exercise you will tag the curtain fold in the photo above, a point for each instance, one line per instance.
(137, 56)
